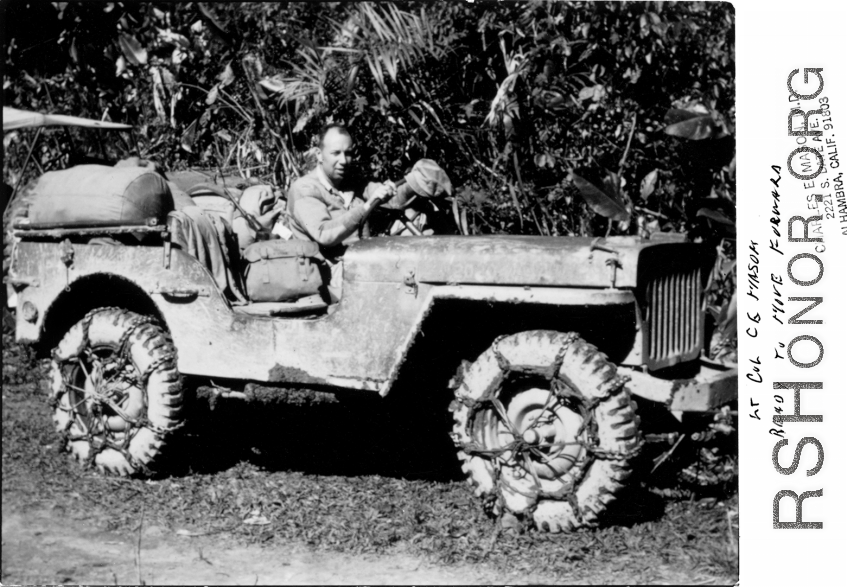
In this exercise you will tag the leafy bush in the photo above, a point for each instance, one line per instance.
(528, 105)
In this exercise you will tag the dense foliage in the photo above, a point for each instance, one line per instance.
(553, 118)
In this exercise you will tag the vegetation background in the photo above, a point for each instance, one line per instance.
(551, 118)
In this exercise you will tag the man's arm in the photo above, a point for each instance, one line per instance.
(312, 214)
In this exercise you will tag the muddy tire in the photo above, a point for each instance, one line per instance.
(116, 392)
(545, 429)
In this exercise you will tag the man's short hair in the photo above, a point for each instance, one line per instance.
(328, 127)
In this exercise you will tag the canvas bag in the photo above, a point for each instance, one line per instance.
(99, 193)
(282, 270)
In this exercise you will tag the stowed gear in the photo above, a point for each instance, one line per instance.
(545, 428)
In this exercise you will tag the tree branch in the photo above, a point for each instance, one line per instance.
(628, 143)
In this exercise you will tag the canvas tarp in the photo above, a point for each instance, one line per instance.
(98, 193)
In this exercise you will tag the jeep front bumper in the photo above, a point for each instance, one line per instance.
(713, 387)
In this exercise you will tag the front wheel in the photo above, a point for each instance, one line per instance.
(545, 428)
(116, 392)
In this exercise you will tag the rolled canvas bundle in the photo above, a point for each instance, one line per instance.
(98, 193)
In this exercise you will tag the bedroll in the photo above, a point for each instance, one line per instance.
(98, 193)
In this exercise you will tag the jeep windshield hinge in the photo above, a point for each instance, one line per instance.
(67, 259)
(410, 283)
(613, 265)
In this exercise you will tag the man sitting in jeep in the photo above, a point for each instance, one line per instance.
(322, 208)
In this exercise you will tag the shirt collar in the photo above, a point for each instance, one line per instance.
(319, 172)
(324, 181)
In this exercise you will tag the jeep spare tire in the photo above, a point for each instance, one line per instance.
(545, 428)
(116, 392)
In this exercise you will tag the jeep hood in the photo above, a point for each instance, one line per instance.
(512, 260)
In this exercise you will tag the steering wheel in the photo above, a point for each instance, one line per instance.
(395, 208)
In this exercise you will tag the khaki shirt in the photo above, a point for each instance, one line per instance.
(319, 212)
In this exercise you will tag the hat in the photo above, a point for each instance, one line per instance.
(428, 180)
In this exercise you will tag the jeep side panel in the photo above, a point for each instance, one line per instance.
(361, 345)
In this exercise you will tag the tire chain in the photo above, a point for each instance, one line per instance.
(562, 391)
(98, 446)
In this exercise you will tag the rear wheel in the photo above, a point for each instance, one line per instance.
(116, 392)
(545, 429)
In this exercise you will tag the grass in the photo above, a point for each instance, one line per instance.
(361, 508)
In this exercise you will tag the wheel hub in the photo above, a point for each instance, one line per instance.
(545, 432)
(109, 396)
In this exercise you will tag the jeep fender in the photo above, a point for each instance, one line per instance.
(485, 294)
(183, 296)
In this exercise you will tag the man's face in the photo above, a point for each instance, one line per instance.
(336, 155)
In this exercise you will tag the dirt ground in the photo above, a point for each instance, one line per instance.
(49, 546)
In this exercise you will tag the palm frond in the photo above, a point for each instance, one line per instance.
(390, 39)
(376, 72)
(504, 103)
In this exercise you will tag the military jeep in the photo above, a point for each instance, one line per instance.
(543, 341)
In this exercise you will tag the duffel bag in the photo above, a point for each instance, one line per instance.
(98, 193)
(282, 270)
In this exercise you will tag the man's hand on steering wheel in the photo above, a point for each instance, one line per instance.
(381, 194)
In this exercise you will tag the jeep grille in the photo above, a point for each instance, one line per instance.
(673, 320)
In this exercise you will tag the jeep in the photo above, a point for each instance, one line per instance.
(545, 343)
